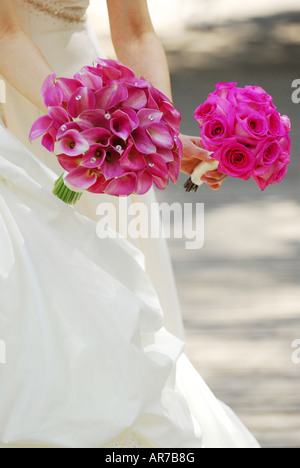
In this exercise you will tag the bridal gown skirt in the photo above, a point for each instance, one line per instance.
(89, 362)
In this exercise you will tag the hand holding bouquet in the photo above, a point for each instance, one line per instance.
(114, 133)
(245, 134)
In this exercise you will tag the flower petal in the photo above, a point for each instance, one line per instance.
(82, 100)
(66, 127)
(54, 97)
(40, 126)
(81, 178)
(111, 96)
(48, 84)
(59, 115)
(160, 136)
(143, 142)
(144, 184)
(48, 142)
(123, 186)
(68, 163)
(73, 143)
(157, 165)
(100, 185)
(134, 121)
(97, 135)
(89, 79)
(132, 159)
(94, 157)
(173, 118)
(136, 99)
(148, 117)
(68, 86)
(111, 165)
(120, 124)
(93, 118)
(161, 184)
(174, 168)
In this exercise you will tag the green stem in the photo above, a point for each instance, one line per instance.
(64, 193)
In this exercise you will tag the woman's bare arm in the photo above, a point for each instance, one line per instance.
(21, 62)
(136, 43)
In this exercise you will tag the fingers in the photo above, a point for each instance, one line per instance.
(214, 179)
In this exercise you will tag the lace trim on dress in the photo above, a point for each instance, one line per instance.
(128, 439)
(71, 14)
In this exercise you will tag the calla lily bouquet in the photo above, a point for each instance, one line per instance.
(112, 132)
(245, 134)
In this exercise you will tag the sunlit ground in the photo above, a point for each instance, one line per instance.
(240, 294)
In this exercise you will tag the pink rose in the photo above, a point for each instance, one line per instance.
(206, 110)
(252, 126)
(223, 89)
(235, 159)
(276, 173)
(268, 152)
(285, 144)
(276, 126)
(255, 97)
(286, 123)
(214, 132)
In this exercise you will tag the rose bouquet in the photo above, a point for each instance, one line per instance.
(112, 132)
(245, 134)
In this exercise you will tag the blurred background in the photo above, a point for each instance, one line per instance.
(240, 294)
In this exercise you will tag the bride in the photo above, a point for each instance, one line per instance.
(92, 328)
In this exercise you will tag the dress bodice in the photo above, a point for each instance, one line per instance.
(67, 10)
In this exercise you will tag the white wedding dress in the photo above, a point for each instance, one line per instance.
(90, 362)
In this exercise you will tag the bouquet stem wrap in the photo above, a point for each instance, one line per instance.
(65, 193)
(194, 182)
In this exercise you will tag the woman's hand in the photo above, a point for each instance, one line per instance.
(193, 154)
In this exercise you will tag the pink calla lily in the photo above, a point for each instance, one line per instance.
(160, 136)
(156, 165)
(89, 79)
(82, 100)
(82, 178)
(174, 168)
(133, 118)
(68, 87)
(145, 181)
(65, 128)
(111, 96)
(93, 118)
(136, 99)
(54, 97)
(111, 165)
(143, 142)
(94, 157)
(69, 163)
(132, 159)
(148, 117)
(160, 183)
(48, 142)
(48, 84)
(122, 186)
(100, 185)
(120, 124)
(118, 144)
(73, 143)
(167, 155)
(40, 127)
(59, 115)
(97, 135)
